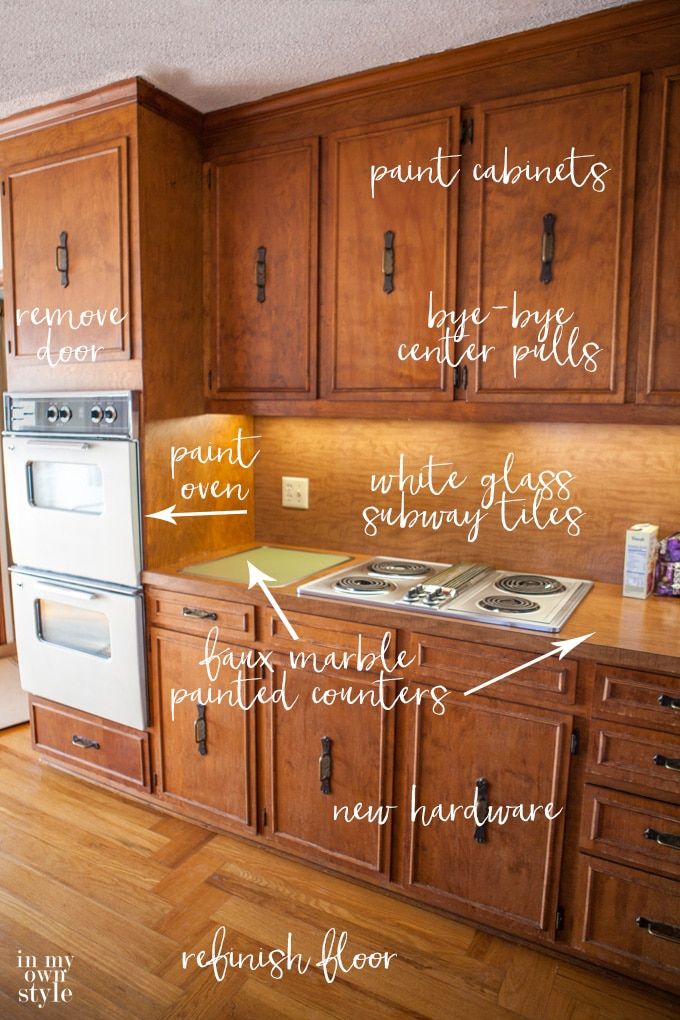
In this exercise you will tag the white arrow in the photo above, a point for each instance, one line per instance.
(257, 576)
(169, 514)
(564, 648)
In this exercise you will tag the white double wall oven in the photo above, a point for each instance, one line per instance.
(71, 464)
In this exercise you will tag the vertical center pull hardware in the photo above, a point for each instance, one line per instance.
(482, 801)
(62, 258)
(261, 273)
(325, 765)
(201, 729)
(388, 262)
(547, 247)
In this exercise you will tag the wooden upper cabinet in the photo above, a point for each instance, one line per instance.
(378, 223)
(592, 239)
(65, 227)
(659, 375)
(261, 275)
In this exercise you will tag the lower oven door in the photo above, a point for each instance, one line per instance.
(81, 646)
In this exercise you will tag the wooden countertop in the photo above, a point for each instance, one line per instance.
(639, 634)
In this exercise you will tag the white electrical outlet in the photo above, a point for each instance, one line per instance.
(295, 492)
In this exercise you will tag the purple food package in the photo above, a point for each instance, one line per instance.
(669, 549)
(667, 579)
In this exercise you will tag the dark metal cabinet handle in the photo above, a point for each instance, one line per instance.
(261, 273)
(388, 262)
(201, 730)
(663, 838)
(547, 247)
(667, 763)
(62, 258)
(482, 787)
(658, 928)
(666, 701)
(198, 614)
(91, 745)
(325, 765)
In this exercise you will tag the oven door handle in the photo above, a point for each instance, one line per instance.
(59, 444)
(71, 593)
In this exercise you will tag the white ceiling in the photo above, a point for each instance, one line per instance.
(214, 53)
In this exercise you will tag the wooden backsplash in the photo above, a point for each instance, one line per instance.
(193, 538)
(622, 475)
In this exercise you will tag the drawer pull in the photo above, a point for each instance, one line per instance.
(91, 745)
(261, 274)
(198, 614)
(667, 763)
(482, 801)
(547, 247)
(201, 730)
(666, 701)
(658, 928)
(62, 258)
(663, 838)
(325, 765)
(388, 262)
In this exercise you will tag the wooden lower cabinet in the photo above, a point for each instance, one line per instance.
(322, 756)
(504, 874)
(204, 766)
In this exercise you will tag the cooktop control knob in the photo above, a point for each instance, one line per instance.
(413, 594)
(96, 414)
(65, 413)
(52, 414)
(110, 414)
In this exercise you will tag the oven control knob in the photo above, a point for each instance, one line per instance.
(110, 414)
(52, 414)
(65, 413)
(96, 414)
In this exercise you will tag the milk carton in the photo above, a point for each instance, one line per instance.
(638, 568)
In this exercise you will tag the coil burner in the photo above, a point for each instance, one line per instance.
(359, 585)
(530, 584)
(508, 604)
(398, 568)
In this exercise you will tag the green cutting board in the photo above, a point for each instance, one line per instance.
(284, 565)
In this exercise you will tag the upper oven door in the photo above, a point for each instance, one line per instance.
(73, 506)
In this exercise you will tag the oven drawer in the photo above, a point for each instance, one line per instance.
(323, 636)
(194, 614)
(646, 699)
(628, 754)
(633, 830)
(102, 748)
(462, 665)
(630, 918)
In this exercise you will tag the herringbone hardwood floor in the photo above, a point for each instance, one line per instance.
(124, 891)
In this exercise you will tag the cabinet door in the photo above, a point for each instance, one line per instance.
(377, 288)
(214, 779)
(659, 375)
(65, 226)
(589, 272)
(352, 745)
(510, 879)
(262, 290)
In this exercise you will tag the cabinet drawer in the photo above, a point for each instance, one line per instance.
(648, 699)
(613, 899)
(631, 829)
(111, 751)
(193, 614)
(323, 636)
(462, 665)
(628, 754)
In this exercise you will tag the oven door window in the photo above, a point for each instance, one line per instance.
(84, 630)
(76, 488)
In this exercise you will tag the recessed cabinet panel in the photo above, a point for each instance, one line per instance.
(262, 272)
(65, 224)
(660, 364)
(548, 243)
(322, 756)
(392, 241)
(205, 755)
(503, 873)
